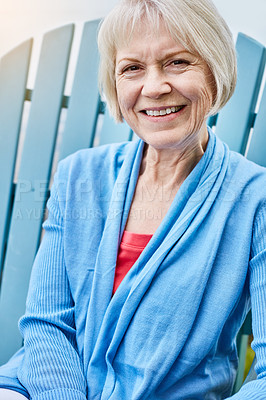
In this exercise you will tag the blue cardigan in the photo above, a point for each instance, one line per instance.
(169, 330)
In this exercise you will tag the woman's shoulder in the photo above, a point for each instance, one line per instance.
(94, 160)
(246, 170)
(90, 167)
(248, 179)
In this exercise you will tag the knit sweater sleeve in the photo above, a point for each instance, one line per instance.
(257, 269)
(51, 368)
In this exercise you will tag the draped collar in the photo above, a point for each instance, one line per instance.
(110, 317)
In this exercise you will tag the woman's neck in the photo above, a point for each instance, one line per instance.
(170, 167)
(161, 175)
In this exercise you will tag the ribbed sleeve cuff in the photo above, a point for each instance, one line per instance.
(60, 394)
(12, 384)
(255, 390)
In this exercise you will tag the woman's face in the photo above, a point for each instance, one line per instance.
(164, 91)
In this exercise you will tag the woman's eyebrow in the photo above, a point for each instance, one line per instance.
(177, 53)
(131, 59)
(164, 55)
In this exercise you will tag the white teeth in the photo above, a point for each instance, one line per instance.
(168, 110)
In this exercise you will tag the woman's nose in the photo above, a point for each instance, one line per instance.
(155, 84)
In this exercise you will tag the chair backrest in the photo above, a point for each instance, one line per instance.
(42, 125)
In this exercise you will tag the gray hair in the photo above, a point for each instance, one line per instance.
(196, 24)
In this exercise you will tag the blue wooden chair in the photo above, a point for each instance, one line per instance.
(32, 143)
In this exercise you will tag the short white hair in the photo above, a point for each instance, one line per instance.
(196, 24)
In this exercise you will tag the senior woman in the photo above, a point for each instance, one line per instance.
(144, 299)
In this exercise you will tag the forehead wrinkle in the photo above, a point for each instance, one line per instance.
(165, 54)
(145, 28)
(149, 28)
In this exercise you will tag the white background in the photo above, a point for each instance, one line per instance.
(22, 19)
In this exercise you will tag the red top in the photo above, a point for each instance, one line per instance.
(131, 246)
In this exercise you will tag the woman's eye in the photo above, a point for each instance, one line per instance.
(180, 62)
(131, 68)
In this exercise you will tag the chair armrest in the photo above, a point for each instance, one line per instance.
(252, 374)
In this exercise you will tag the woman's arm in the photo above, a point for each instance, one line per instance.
(6, 394)
(9, 374)
(256, 390)
(51, 367)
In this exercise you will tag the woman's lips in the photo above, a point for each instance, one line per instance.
(162, 111)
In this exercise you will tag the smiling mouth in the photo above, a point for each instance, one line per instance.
(164, 111)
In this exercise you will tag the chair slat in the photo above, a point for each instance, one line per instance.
(257, 148)
(112, 132)
(32, 185)
(84, 101)
(13, 78)
(235, 119)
